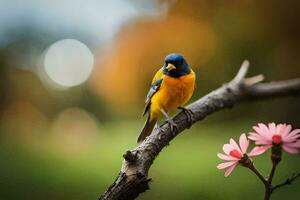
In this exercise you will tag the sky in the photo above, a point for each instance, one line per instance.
(92, 23)
(99, 20)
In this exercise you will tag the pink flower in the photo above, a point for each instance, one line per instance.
(280, 135)
(236, 153)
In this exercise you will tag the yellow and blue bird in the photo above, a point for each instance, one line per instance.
(172, 86)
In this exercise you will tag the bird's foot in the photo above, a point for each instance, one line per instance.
(173, 126)
(189, 116)
(157, 128)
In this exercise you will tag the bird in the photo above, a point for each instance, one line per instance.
(171, 88)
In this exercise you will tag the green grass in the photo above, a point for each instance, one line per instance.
(184, 170)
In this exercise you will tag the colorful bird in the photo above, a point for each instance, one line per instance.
(172, 86)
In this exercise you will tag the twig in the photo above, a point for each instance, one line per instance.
(286, 182)
(132, 180)
(242, 72)
(255, 79)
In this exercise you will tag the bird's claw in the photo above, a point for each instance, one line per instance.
(173, 126)
(189, 116)
(157, 127)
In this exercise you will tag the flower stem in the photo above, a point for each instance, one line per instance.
(258, 174)
(270, 179)
(267, 193)
(267, 184)
(276, 158)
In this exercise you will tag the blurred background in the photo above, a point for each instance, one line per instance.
(74, 75)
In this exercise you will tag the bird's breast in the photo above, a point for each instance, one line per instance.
(176, 92)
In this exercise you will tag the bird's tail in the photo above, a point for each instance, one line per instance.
(147, 130)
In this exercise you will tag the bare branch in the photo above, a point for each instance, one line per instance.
(254, 80)
(286, 182)
(133, 178)
(278, 88)
(242, 72)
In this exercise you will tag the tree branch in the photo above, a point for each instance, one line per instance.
(133, 177)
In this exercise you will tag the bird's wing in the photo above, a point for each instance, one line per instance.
(195, 87)
(156, 83)
(159, 74)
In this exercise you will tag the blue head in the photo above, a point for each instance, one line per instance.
(175, 66)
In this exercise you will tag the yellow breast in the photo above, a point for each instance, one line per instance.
(174, 92)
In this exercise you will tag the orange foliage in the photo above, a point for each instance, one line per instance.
(124, 70)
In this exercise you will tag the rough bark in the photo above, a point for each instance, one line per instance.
(133, 177)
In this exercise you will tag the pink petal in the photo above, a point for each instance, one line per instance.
(258, 139)
(294, 144)
(251, 137)
(260, 131)
(263, 142)
(263, 127)
(255, 136)
(235, 145)
(263, 131)
(227, 148)
(225, 157)
(226, 164)
(295, 132)
(259, 150)
(286, 130)
(290, 138)
(272, 128)
(229, 170)
(290, 150)
(279, 128)
(244, 143)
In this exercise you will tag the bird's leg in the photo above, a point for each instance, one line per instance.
(157, 127)
(170, 121)
(189, 115)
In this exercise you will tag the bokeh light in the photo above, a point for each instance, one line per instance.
(68, 62)
(23, 120)
(75, 129)
(74, 76)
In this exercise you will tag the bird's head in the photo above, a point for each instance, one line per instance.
(175, 65)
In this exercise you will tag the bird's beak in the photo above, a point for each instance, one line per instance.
(170, 67)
